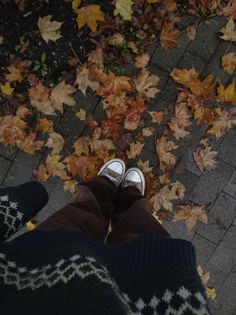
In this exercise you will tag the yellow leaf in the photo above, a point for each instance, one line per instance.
(49, 30)
(54, 167)
(81, 114)
(211, 293)
(44, 125)
(70, 185)
(229, 31)
(90, 15)
(6, 88)
(41, 173)
(229, 62)
(75, 5)
(124, 8)
(30, 226)
(56, 142)
(227, 94)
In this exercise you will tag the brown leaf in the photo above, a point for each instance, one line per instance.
(60, 95)
(221, 123)
(205, 158)
(144, 166)
(39, 98)
(30, 145)
(229, 62)
(229, 31)
(82, 146)
(134, 150)
(54, 166)
(84, 166)
(15, 74)
(230, 10)
(23, 112)
(115, 85)
(146, 84)
(44, 125)
(157, 117)
(49, 30)
(142, 60)
(191, 32)
(205, 276)
(81, 114)
(163, 148)
(41, 173)
(56, 142)
(181, 121)
(190, 214)
(84, 81)
(169, 36)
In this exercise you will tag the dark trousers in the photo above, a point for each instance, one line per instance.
(98, 202)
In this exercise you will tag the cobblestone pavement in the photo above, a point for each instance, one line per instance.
(215, 243)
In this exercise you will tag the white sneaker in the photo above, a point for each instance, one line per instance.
(134, 177)
(114, 170)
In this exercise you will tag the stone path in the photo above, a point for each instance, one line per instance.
(215, 243)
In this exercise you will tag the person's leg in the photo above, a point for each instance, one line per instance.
(89, 211)
(132, 217)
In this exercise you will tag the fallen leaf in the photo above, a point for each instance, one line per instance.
(89, 15)
(40, 99)
(134, 150)
(30, 226)
(165, 196)
(96, 57)
(81, 114)
(54, 166)
(12, 130)
(190, 214)
(44, 125)
(181, 121)
(227, 94)
(229, 10)
(141, 61)
(211, 293)
(191, 32)
(84, 166)
(133, 47)
(221, 123)
(70, 185)
(229, 31)
(205, 158)
(124, 8)
(82, 146)
(205, 276)
(115, 85)
(56, 142)
(144, 166)
(146, 84)
(164, 179)
(60, 95)
(6, 88)
(153, 1)
(23, 112)
(30, 145)
(41, 173)
(163, 148)
(84, 81)
(169, 36)
(14, 74)
(75, 5)
(147, 132)
(157, 117)
(49, 30)
(203, 115)
(116, 39)
(229, 62)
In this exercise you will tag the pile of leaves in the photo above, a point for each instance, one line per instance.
(116, 40)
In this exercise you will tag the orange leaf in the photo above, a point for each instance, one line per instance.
(169, 36)
(44, 125)
(41, 173)
(134, 150)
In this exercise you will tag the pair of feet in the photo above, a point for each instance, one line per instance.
(115, 170)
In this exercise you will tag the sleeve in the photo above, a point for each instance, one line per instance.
(18, 205)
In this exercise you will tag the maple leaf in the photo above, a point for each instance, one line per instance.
(164, 197)
(96, 57)
(30, 226)
(163, 148)
(157, 117)
(41, 173)
(229, 31)
(205, 158)
(54, 166)
(81, 114)
(40, 99)
(44, 125)
(101, 147)
(147, 132)
(14, 74)
(23, 112)
(12, 130)
(115, 85)
(56, 142)
(191, 32)
(169, 36)
(203, 115)
(180, 121)
(6, 88)
(82, 146)
(111, 128)
(164, 179)
(60, 95)
(227, 94)
(84, 166)
(211, 293)
(144, 166)
(146, 84)
(229, 62)
(49, 30)
(116, 39)
(124, 8)
(75, 5)
(142, 60)
(190, 214)
(70, 185)
(89, 15)
(132, 119)
(230, 10)
(83, 79)
(30, 145)
(205, 276)
(221, 123)
(134, 150)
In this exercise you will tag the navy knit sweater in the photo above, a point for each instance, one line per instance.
(67, 272)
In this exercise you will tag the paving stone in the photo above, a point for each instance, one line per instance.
(169, 93)
(147, 155)
(167, 60)
(220, 217)
(214, 66)
(58, 198)
(70, 125)
(179, 230)
(4, 167)
(230, 187)
(227, 148)
(22, 169)
(207, 38)
(87, 102)
(188, 60)
(210, 183)
(188, 179)
(217, 308)
(227, 291)
(162, 74)
(8, 152)
(230, 236)
(204, 248)
(44, 214)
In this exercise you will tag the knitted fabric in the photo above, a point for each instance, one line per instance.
(68, 272)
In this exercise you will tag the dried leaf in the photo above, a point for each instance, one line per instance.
(30, 145)
(54, 166)
(81, 114)
(56, 142)
(96, 57)
(153, 1)
(82, 146)
(142, 60)
(164, 197)
(124, 8)
(116, 39)
(70, 185)
(49, 30)
(40, 99)
(205, 276)
(169, 36)
(190, 214)
(144, 166)
(84, 81)
(227, 94)
(60, 95)
(84, 166)
(14, 74)
(181, 121)
(23, 112)
(12, 130)
(147, 132)
(6, 88)
(157, 117)
(30, 226)
(163, 148)
(229, 62)
(221, 123)
(230, 10)
(229, 31)
(89, 15)
(44, 125)
(191, 32)
(146, 84)
(75, 5)
(41, 173)
(134, 150)
(205, 158)
(211, 293)
(115, 85)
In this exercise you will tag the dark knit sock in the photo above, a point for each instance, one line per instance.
(18, 205)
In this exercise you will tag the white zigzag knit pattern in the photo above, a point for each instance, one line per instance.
(66, 269)
(10, 215)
